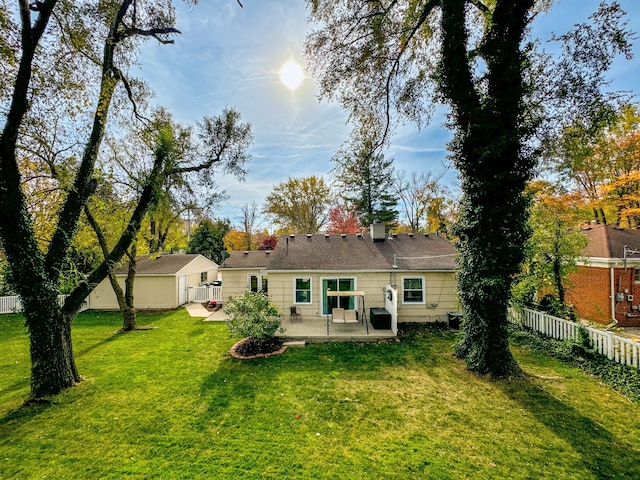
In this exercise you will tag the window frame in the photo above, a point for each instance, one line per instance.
(296, 290)
(422, 290)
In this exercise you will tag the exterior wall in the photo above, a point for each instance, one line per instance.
(196, 267)
(440, 293)
(159, 292)
(235, 282)
(590, 294)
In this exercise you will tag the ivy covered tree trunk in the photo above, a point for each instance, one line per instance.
(488, 152)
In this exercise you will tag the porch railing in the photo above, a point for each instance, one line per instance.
(13, 304)
(619, 349)
(205, 294)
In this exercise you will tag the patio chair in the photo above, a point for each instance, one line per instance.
(295, 313)
(351, 316)
(337, 315)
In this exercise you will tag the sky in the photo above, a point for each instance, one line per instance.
(229, 56)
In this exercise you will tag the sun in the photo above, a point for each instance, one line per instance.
(291, 75)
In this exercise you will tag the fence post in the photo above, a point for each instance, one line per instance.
(610, 346)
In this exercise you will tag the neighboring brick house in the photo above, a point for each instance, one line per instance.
(606, 286)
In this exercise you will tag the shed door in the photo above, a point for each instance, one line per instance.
(182, 290)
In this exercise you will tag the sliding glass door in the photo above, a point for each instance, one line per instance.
(345, 284)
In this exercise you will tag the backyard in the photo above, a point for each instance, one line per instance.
(170, 403)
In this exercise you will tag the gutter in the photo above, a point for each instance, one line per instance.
(613, 322)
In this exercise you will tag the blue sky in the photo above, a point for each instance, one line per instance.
(228, 56)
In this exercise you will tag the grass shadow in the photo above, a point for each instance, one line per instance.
(594, 443)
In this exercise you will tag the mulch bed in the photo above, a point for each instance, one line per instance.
(248, 348)
(211, 308)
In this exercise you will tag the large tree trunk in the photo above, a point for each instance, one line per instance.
(53, 367)
(492, 228)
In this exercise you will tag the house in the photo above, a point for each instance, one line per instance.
(606, 287)
(161, 282)
(412, 276)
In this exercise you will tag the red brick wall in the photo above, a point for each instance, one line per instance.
(590, 290)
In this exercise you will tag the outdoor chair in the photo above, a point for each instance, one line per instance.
(337, 315)
(351, 316)
(295, 313)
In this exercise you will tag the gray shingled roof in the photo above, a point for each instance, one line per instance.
(252, 259)
(351, 252)
(607, 241)
(168, 264)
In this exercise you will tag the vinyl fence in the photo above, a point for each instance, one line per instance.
(619, 349)
(13, 305)
(205, 293)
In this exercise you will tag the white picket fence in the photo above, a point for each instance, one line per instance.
(205, 294)
(619, 349)
(13, 305)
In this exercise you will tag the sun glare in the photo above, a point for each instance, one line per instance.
(291, 75)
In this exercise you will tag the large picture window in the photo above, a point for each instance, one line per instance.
(413, 290)
(302, 292)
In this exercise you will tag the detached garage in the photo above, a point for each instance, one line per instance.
(161, 282)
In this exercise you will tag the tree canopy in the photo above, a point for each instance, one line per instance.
(299, 205)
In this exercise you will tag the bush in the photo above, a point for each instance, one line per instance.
(253, 315)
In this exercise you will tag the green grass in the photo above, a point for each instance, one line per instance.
(170, 403)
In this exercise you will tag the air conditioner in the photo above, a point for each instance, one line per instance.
(629, 298)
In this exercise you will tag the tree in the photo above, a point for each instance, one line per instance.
(248, 219)
(379, 58)
(365, 179)
(73, 42)
(552, 250)
(423, 199)
(208, 239)
(235, 240)
(342, 220)
(299, 205)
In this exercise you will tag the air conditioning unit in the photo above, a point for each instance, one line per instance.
(619, 297)
(629, 298)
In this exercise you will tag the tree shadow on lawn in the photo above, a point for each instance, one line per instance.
(603, 454)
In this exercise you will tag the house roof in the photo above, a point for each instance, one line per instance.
(608, 241)
(167, 264)
(360, 252)
(249, 259)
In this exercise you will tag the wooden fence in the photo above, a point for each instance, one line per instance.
(13, 305)
(619, 349)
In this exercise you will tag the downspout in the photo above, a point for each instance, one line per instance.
(613, 322)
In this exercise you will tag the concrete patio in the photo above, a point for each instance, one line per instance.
(311, 330)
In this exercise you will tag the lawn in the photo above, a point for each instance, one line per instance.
(170, 403)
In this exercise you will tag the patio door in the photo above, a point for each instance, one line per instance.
(345, 284)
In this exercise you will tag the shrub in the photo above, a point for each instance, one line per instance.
(253, 315)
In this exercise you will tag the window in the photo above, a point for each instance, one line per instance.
(636, 275)
(257, 283)
(413, 290)
(204, 277)
(302, 292)
(343, 284)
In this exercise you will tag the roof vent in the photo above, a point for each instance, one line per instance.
(246, 252)
(326, 235)
(292, 235)
(309, 235)
(411, 235)
(343, 235)
(267, 252)
(358, 235)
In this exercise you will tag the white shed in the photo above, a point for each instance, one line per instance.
(161, 282)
